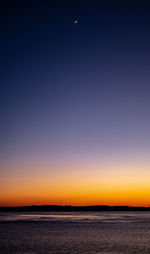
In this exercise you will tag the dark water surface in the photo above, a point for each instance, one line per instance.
(75, 232)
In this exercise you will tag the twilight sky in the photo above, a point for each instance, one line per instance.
(75, 103)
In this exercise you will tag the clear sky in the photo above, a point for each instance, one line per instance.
(75, 103)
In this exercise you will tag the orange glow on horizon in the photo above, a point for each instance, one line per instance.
(78, 185)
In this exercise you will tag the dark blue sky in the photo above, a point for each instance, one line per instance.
(75, 89)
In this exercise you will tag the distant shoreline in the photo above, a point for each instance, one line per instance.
(57, 208)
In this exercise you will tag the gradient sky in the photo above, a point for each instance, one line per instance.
(75, 103)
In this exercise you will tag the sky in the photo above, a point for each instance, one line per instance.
(75, 103)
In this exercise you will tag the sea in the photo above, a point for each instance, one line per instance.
(74, 232)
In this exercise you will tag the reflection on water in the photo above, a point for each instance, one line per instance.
(75, 233)
(124, 217)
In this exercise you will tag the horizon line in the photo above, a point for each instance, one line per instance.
(52, 205)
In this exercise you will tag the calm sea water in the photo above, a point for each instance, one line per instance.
(75, 232)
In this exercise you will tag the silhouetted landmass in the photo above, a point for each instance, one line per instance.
(55, 208)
